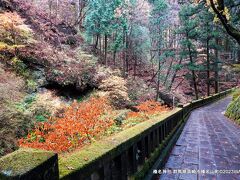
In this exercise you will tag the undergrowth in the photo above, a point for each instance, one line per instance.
(82, 123)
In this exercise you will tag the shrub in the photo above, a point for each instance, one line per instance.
(103, 73)
(14, 34)
(139, 91)
(115, 90)
(78, 125)
(31, 85)
(17, 118)
(19, 67)
(46, 104)
(11, 86)
(13, 30)
(13, 124)
(67, 71)
(148, 108)
(121, 117)
(11, 119)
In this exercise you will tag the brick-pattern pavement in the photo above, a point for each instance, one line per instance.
(209, 141)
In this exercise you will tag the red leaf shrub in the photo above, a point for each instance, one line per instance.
(78, 125)
(149, 107)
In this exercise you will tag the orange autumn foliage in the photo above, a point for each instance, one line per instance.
(79, 124)
(149, 107)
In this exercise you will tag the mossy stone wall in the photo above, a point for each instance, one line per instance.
(29, 164)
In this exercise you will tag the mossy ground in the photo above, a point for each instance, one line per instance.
(236, 93)
(22, 161)
(233, 109)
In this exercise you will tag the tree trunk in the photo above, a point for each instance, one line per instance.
(238, 56)
(78, 10)
(105, 46)
(126, 55)
(174, 75)
(50, 9)
(100, 43)
(135, 66)
(159, 61)
(96, 42)
(158, 78)
(114, 58)
(193, 73)
(208, 69)
(114, 49)
(168, 72)
(216, 70)
(57, 11)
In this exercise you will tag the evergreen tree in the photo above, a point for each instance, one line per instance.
(100, 21)
(208, 33)
(189, 31)
(158, 24)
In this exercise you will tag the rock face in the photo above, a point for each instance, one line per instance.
(169, 98)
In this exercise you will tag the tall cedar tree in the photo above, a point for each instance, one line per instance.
(188, 29)
(158, 25)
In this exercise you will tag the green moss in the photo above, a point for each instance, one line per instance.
(23, 160)
(69, 163)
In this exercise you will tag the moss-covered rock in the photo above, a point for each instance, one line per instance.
(233, 110)
(22, 161)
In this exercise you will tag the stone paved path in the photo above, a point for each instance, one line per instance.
(209, 141)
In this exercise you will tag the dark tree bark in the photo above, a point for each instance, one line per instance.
(135, 66)
(174, 75)
(238, 56)
(126, 55)
(159, 61)
(208, 69)
(193, 73)
(216, 70)
(158, 78)
(168, 72)
(100, 44)
(114, 57)
(96, 42)
(105, 46)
